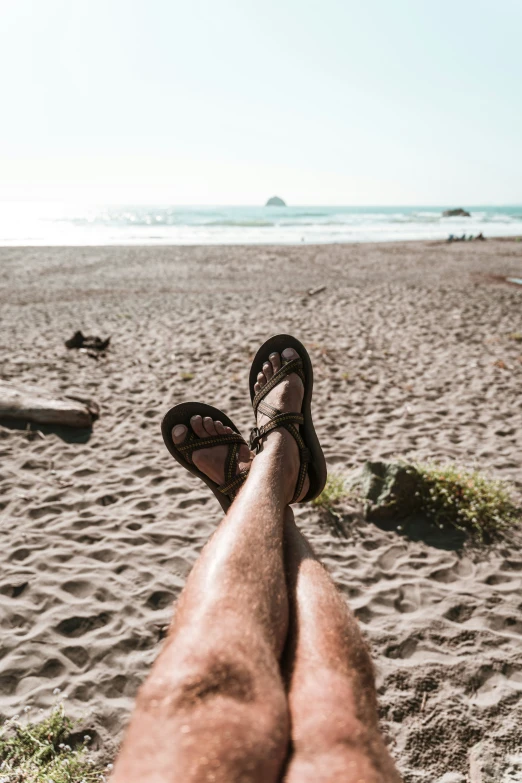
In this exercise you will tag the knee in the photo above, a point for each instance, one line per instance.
(192, 684)
(222, 698)
(342, 700)
(198, 680)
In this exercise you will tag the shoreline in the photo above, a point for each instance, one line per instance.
(210, 246)
(41, 224)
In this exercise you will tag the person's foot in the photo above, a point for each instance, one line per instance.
(287, 397)
(211, 461)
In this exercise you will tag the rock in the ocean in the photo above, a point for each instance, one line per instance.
(275, 201)
(455, 213)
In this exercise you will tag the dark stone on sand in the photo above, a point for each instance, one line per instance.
(455, 213)
(275, 201)
(388, 490)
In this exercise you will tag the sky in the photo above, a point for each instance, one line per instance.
(341, 102)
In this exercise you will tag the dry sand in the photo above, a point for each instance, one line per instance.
(412, 355)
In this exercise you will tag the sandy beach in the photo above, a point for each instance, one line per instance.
(415, 356)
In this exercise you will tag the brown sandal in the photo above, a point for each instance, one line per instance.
(182, 452)
(310, 451)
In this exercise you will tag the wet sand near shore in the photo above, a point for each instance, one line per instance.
(416, 355)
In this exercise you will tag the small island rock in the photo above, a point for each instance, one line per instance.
(275, 201)
(455, 213)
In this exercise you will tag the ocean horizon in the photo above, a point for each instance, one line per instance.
(38, 224)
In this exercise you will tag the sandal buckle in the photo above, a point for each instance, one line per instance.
(255, 437)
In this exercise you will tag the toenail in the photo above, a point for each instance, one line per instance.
(272, 356)
(178, 430)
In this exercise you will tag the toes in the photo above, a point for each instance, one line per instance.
(209, 425)
(289, 354)
(179, 433)
(197, 425)
(261, 380)
(267, 370)
(220, 427)
(229, 430)
(275, 361)
(256, 388)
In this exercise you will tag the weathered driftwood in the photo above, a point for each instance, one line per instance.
(314, 291)
(27, 403)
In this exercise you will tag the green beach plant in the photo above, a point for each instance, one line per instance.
(466, 499)
(445, 494)
(334, 491)
(38, 752)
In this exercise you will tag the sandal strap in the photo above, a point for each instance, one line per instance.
(281, 420)
(234, 441)
(231, 462)
(192, 444)
(231, 487)
(267, 409)
(294, 366)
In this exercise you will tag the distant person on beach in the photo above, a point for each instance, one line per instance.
(264, 676)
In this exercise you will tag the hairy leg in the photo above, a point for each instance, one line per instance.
(335, 734)
(214, 706)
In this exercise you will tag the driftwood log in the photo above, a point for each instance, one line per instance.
(28, 403)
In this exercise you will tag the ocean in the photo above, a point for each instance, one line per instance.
(59, 224)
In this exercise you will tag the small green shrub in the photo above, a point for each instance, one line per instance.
(466, 499)
(39, 753)
(445, 494)
(335, 490)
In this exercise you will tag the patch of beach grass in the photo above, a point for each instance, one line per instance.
(187, 376)
(38, 752)
(515, 336)
(465, 499)
(334, 491)
(445, 494)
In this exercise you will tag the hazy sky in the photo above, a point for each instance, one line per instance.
(231, 101)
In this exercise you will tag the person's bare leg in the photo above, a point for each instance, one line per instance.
(335, 735)
(214, 706)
